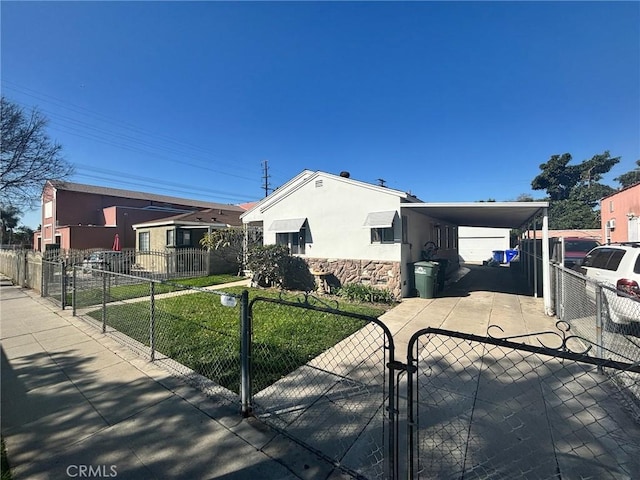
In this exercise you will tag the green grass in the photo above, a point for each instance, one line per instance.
(93, 296)
(197, 331)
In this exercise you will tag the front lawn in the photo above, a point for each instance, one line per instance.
(197, 331)
(93, 295)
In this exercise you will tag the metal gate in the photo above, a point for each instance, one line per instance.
(338, 402)
(535, 406)
(488, 407)
(54, 281)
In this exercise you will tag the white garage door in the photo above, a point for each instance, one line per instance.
(478, 249)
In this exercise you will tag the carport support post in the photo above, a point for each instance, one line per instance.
(599, 325)
(546, 274)
(245, 354)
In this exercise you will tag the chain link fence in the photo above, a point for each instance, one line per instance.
(605, 317)
(462, 406)
(54, 281)
(322, 379)
(491, 408)
(192, 332)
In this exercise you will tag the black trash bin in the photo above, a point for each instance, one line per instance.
(442, 272)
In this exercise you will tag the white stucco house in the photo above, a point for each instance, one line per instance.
(356, 231)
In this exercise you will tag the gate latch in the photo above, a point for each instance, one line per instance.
(396, 365)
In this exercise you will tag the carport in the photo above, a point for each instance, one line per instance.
(498, 215)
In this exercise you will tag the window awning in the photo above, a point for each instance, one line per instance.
(380, 219)
(287, 226)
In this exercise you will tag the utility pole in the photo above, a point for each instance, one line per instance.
(265, 177)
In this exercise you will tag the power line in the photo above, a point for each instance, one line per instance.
(78, 128)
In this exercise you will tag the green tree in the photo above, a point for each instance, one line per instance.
(630, 178)
(28, 157)
(9, 218)
(230, 242)
(574, 191)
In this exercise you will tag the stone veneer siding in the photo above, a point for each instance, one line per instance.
(377, 273)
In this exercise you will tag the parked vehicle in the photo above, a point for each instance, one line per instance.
(617, 266)
(575, 249)
(109, 260)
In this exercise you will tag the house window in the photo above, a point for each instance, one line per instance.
(296, 241)
(184, 238)
(178, 238)
(382, 235)
(610, 205)
(144, 244)
(381, 225)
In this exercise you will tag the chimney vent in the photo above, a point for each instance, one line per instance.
(345, 174)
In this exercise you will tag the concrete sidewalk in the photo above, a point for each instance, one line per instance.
(75, 401)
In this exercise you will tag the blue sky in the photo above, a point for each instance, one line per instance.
(453, 101)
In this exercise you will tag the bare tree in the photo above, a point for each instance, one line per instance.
(28, 157)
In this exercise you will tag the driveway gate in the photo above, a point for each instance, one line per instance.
(340, 403)
(487, 407)
(531, 406)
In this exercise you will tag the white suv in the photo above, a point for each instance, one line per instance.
(617, 266)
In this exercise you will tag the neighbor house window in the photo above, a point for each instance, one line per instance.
(184, 238)
(144, 244)
(178, 238)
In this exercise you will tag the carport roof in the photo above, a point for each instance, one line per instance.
(481, 214)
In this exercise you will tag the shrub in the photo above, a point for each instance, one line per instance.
(272, 265)
(365, 293)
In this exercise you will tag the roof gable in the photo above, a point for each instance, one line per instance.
(308, 176)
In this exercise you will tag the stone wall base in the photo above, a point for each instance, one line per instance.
(377, 273)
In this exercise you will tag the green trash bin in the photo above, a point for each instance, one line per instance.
(425, 275)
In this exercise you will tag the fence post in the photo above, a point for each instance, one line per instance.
(43, 289)
(63, 284)
(73, 291)
(599, 325)
(104, 302)
(245, 354)
(152, 320)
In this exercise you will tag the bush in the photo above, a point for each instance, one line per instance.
(365, 293)
(272, 265)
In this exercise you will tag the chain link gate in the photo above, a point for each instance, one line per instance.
(54, 281)
(488, 407)
(338, 402)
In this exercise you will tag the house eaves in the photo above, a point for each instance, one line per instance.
(212, 217)
(481, 214)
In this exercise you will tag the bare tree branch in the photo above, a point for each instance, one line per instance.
(28, 157)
